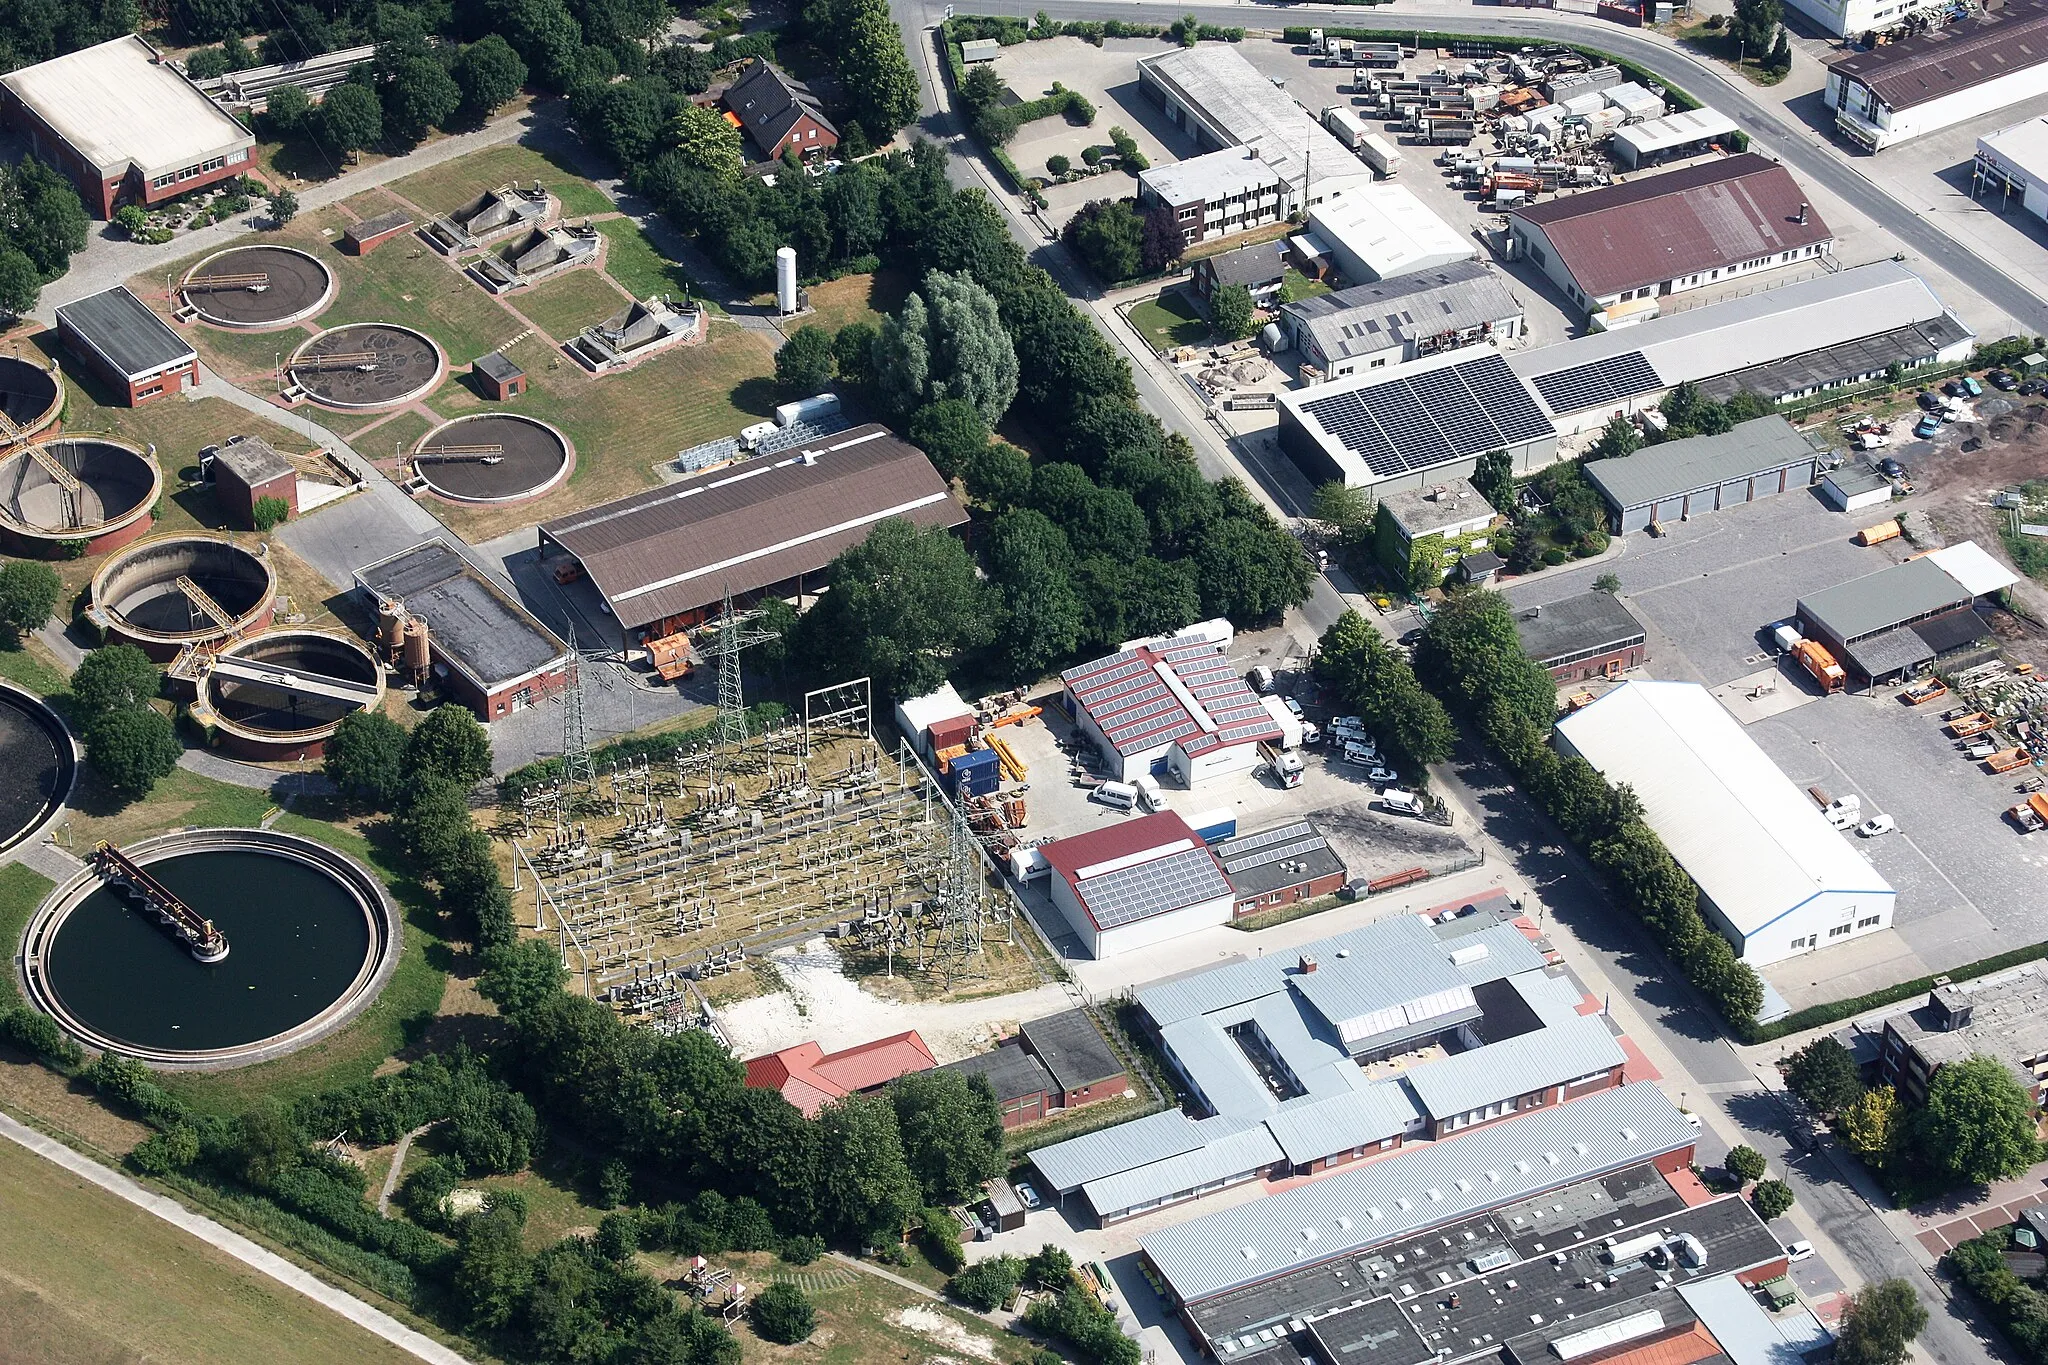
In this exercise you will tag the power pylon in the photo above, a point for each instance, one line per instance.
(579, 773)
(725, 642)
(957, 908)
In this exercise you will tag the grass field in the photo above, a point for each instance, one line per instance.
(33, 666)
(85, 1277)
(633, 261)
(858, 298)
(412, 286)
(453, 183)
(21, 890)
(401, 433)
(1170, 321)
(567, 304)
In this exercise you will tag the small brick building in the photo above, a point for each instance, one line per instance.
(360, 239)
(249, 468)
(1280, 866)
(779, 114)
(1591, 635)
(117, 337)
(498, 377)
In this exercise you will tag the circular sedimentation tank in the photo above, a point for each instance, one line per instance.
(493, 457)
(90, 488)
(257, 286)
(310, 938)
(138, 595)
(281, 694)
(367, 365)
(37, 765)
(31, 396)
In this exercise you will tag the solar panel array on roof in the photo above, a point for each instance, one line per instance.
(1591, 385)
(1305, 843)
(1433, 417)
(1155, 888)
(1136, 709)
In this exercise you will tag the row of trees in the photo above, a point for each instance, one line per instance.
(1374, 681)
(130, 743)
(1976, 1127)
(42, 223)
(1469, 656)
(1117, 242)
(2019, 1306)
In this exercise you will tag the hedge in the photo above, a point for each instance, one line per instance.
(1679, 99)
(1813, 1016)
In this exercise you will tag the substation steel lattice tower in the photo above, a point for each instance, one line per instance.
(579, 773)
(726, 641)
(956, 950)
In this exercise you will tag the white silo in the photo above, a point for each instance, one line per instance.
(785, 279)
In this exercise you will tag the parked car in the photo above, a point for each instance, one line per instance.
(1927, 427)
(2034, 388)
(1876, 825)
(1971, 386)
(1798, 1251)
(1892, 469)
(1293, 707)
(1954, 388)
(1362, 756)
(2003, 379)
(1348, 725)
(1411, 638)
(1929, 400)
(1027, 1196)
(1381, 777)
(1311, 733)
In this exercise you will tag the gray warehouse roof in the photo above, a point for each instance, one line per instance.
(1878, 601)
(1761, 445)
(1227, 90)
(1591, 620)
(472, 624)
(1568, 1049)
(1372, 317)
(1416, 1189)
(127, 335)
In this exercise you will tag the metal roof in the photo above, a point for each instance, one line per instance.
(1373, 317)
(1379, 425)
(1416, 1189)
(1244, 108)
(2022, 146)
(1756, 844)
(1565, 1050)
(1746, 1333)
(131, 339)
(1914, 344)
(1762, 445)
(1068, 1165)
(1389, 231)
(1228, 1155)
(1985, 46)
(1969, 564)
(1309, 1132)
(1212, 176)
(1072, 1049)
(1684, 222)
(1575, 625)
(116, 104)
(677, 548)
(1878, 601)
(1682, 129)
(472, 625)
(1185, 692)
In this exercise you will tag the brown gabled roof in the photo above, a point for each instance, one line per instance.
(1661, 227)
(768, 104)
(1970, 52)
(673, 549)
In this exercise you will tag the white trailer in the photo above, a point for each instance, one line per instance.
(1348, 127)
(1383, 156)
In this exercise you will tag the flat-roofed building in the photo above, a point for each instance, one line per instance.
(1939, 77)
(1420, 534)
(1668, 234)
(1885, 624)
(2004, 1016)
(127, 346)
(1083, 1066)
(1270, 869)
(1219, 194)
(1678, 480)
(1373, 326)
(2013, 163)
(1131, 885)
(248, 469)
(1775, 878)
(1378, 233)
(1589, 635)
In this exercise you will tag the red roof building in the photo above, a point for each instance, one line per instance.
(1666, 234)
(1173, 707)
(1136, 883)
(810, 1077)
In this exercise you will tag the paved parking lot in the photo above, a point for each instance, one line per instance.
(1968, 884)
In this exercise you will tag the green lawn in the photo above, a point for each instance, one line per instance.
(21, 890)
(567, 304)
(1300, 286)
(1169, 321)
(418, 289)
(859, 298)
(632, 260)
(87, 1278)
(447, 186)
(399, 435)
(34, 667)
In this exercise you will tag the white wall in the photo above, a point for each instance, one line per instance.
(1896, 126)
(1130, 938)
(1812, 926)
(1207, 767)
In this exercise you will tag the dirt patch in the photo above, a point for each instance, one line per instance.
(1376, 845)
(929, 1322)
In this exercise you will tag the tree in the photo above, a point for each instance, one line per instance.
(1371, 677)
(780, 1313)
(1781, 54)
(1058, 165)
(874, 66)
(951, 432)
(1771, 1198)
(546, 34)
(287, 109)
(1879, 1323)
(981, 89)
(269, 513)
(420, 95)
(705, 142)
(283, 206)
(1049, 1267)
(952, 1131)
(1108, 236)
(351, 118)
(1469, 652)
(1231, 312)
(1618, 438)
(1161, 241)
(489, 72)
(1977, 1122)
(20, 285)
(1754, 25)
(41, 216)
(1824, 1075)
(902, 362)
(999, 475)
(1872, 1125)
(1745, 1164)
(1341, 506)
(1607, 583)
(973, 359)
(1031, 565)
(987, 1284)
(113, 678)
(899, 605)
(366, 759)
(28, 594)
(492, 1269)
(1250, 570)
(865, 1191)
(450, 745)
(806, 361)
(853, 346)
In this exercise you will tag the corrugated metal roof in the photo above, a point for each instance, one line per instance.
(1567, 1049)
(1762, 445)
(1372, 317)
(1878, 601)
(1665, 227)
(1756, 844)
(1228, 1155)
(1307, 1132)
(1217, 81)
(1968, 564)
(674, 549)
(1392, 1198)
(1092, 1156)
(1985, 46)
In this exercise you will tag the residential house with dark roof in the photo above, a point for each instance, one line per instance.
(1671, 233)
(811, 1078)
(779, 114)
(1261, 269)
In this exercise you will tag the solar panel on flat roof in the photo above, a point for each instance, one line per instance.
(1601, 381)
(1433, 417)
(1266, 838)
(1154, 888)
(1280, 853)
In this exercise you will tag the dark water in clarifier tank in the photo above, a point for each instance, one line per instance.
(296, 939)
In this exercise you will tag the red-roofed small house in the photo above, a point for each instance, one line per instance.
(810, 1078)
(1136, 883)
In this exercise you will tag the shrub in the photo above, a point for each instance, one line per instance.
(1554, 556)
(780, 1313)
(1058, 164)
(1745, 1164)
(269, 513)
(987, 1285)
(1091, 154)
(38, 1035)
(161, 1154)
(1771, 1198)
(942, 1240)
(802, 1250)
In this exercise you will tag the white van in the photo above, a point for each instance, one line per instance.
(1261, 679)
(1149, 794)
(1120, 795)
(1400, 802)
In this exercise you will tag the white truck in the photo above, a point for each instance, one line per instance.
(1347, 127)
(1383, 156)
(1285, 764)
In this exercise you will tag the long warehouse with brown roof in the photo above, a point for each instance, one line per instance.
(664, 559)
(1669, 233)
(1936, 79)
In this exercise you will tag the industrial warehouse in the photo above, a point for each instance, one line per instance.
(1985, 60)
(1900, 618)
(1396, 1033)
(483, 647)
(1173, 707)
(1775, 878)
(1372, 326)
(1675, 480)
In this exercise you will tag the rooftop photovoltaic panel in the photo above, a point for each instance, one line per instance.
(1261, 857)
(1601, 381)
(1105, 670)
(1266, 838)
(1434, 417)
(1154, 888)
